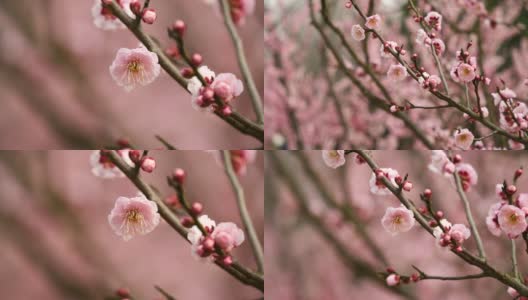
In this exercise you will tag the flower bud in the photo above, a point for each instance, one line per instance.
(148, 164)
(135, 7)
(196, 59)
(134, 156)
(179, 26)
(178, 175)
(196, 208)
(149, 16)
(123, 293)
(187, 222)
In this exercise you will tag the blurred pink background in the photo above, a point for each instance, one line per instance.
(57, 92)
(303, 265)
(57, 243)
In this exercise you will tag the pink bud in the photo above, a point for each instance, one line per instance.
(187, 73)
(457, 158)
(393, 279)
(179, 26)
(107, 1)
(196, 59)
(196, 208)
(135, 7)
(134, 155)
(407, 186)
(226, 111)
(428, 193)
(149, 16)
(208, 244)
(148, 164)
(518, 173)
(223, 90)
(393, 108)
(228, 260)
(178, 175)
(123, 292)
(511, 189)
(208, 94)
(439, 214)
(187, 222)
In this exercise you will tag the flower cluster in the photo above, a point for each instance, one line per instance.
(224, 237)
(508, 216)
(452, 236)
(103, 167)
(217, 94)
(447, 166)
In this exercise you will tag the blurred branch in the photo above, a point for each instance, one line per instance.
(244, 214)
(242, 62)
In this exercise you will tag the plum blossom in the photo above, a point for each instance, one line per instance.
(376, 184)
(492, 221)
(441, 164)
(465, 72)
(434, 20)
(464, 138)
(504, 94)
(227, 86)
(422, 37)
(373, 22)
(228, 236)
(512, 292)
(468, 175)
(459, 233)
(397, 72)
(104, 168)
(397, 220)
(512, 220)
(104, 19)
(438, 46)
(334, 158)
(357, 32)
(385, 49)
(133, 67)
(133, 216)
(513, 116)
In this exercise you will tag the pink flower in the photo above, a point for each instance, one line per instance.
(434, 20)
(459, 233)
(104, 168)
(440, 163)
(468, 175)
(385, 49)
(227, 86)
(228, 236)
(397, 72)
(133, 67)
(397, 220)
(492, 221)
(376, 184)
(422, 38)
(133, 216)
(438, 45)
(464, 138)
(522, 201)
(504, 94)
(373, 22)
(357, 32)
(465, 72)
(104, 19)
(512, 220)
(334, 158)
(393, 280)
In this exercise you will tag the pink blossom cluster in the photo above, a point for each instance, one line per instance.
(508, 216)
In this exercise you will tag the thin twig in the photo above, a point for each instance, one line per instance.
(242, 62)
(244, 214)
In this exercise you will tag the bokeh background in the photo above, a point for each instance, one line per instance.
(309, 258)
(57, 244)
(57, 93)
